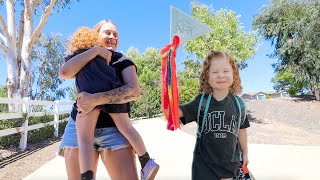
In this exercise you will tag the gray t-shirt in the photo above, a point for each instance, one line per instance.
(217, 152)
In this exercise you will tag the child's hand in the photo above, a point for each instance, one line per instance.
(165, 111)
(104, 53)
(245, 159)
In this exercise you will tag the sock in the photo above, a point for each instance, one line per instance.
(144, 159)
(87, 175)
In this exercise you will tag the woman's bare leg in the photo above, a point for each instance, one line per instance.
(85, 126)
(124, 125)
(71, 159)
(120, 164)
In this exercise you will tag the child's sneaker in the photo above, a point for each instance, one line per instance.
(150, 170)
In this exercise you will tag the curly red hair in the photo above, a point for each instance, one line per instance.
(84, 38)
(205, 87)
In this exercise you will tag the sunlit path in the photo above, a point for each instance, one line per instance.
(173, 151)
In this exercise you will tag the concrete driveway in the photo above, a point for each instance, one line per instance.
(174, 150)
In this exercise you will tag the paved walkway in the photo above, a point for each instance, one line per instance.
(173, 151)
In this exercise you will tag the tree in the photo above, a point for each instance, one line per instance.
(293, 27)
(284, 81)
(17, 41)
(189, 80)
(47, 58)
(149, 66)
(228, 34)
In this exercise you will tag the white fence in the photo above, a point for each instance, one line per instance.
(27, 112)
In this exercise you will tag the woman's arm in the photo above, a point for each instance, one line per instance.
(70, 68)
(243, 140)
(129, 92)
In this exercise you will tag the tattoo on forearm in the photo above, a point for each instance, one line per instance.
(117, 95)
(128, 97)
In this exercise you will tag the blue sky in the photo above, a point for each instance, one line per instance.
(144, 24)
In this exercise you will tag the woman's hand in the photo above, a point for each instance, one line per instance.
(86, 102)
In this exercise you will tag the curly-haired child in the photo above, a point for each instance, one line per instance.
(98, 76)
(221, 127)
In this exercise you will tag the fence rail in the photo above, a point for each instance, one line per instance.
(27, 112)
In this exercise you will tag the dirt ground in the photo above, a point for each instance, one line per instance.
(281, 121)
(15, 164)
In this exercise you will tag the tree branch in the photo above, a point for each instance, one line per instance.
(41, 6)
(5, 29)
(4, 48)
(3, 38)
(42, 22)
(27, 6)
(33, 4)
(11, 25)
(20, 38)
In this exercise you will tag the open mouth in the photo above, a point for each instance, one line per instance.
(111, 43)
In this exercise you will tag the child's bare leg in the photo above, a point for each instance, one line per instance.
(124, 125)
(85, 134)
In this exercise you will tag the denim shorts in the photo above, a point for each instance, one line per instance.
(104, 138)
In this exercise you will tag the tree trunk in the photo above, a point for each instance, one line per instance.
(317, 94)
(18, 67)
(25, 73)
(12, 79)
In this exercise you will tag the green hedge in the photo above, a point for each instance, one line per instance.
(37, 135)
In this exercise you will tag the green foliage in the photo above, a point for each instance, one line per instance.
(62, 4)
(189, 80)
(149, 73)
(59, 5)
(228, 34)
(36, 135)
(293, 26)
(47, 58)
(3, 94)
(284, 81)
(72, 92)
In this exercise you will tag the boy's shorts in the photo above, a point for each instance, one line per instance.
(104, 138)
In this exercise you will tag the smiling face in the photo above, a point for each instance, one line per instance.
(109, 36)
(220, 74)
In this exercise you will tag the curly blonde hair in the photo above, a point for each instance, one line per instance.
(205, 87)
(84, 38)
(99, 25)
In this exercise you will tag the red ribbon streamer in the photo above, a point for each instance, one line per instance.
(169, 93)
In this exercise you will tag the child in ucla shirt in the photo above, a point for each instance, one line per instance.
(222, 135)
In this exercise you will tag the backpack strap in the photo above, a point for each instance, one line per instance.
(202, 107)
(242, 110)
